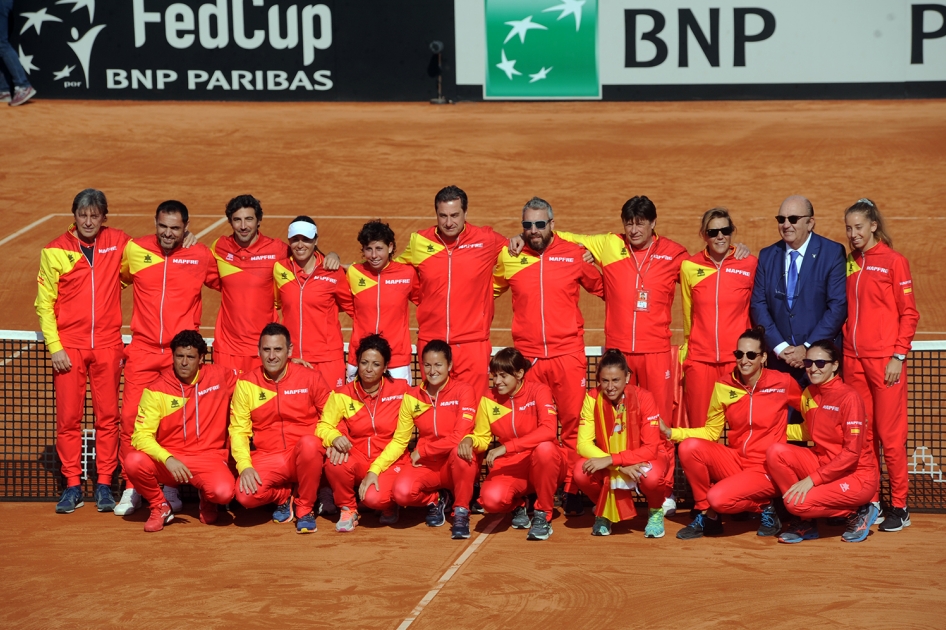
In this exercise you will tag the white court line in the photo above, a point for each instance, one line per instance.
(26, 229)
(213, 226)
(418, 609)
(16, 355)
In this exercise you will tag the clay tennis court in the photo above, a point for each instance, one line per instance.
(343, 164)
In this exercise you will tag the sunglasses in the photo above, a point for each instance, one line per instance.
(820, 363)
(752, 356)
(539, 225)
(714, 232)
(791, 219)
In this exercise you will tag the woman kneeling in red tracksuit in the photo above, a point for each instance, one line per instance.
(357, 424)
(838, 476)
(522, 417)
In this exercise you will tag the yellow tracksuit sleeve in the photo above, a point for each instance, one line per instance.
(125, 269)
(715, 421)
(332, 414)
(686, 293)
(406, 256)
(241, 426)
(799, 432)
(586, 446)
(482, 435)
(594, 243)
(47, 293)
(398, 443)
(500, 283)
(150, 414)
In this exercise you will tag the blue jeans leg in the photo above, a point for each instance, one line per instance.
(10, 59)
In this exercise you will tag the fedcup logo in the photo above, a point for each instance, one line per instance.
(44, 31)
(542, 49)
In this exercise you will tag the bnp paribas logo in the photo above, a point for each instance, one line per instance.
(542, 49)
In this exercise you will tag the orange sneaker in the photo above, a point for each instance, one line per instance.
(161, 515)
(347, 521)
(208, 511)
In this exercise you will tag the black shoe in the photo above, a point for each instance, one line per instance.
(895, 520)
(476, 508)
(437, 512)
(461, 524)
(701, 526)
(541, 527)
(104, 501)
(771, 524)
(858, 528)
(574, 506)
(520, 518)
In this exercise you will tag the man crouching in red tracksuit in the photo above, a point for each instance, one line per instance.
(279, 405)
(181, 432)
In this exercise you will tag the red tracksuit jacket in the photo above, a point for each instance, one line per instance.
(247, 295)
(79, 303)
(310, 305)
(381, 306)
(456, 282)
(881, 306)
(715, 305)
(546, 320)
(369, 421)
(625, 326)
(166, 289)
(520, 422)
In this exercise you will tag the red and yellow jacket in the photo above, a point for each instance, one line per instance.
(310, 304)
(881, 306)
(369, 420)
(274, 413)
(625, 327)
(836, 421)
(166, 289)
(520, 422)
(623, 451)
(178, 418)
(757, 417)
(456, 282)
(78, 303)
(442, 421)
(247, 294)
(546, 320)
(381, 306)
(715, 305)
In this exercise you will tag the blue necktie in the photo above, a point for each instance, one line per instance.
(792, 277)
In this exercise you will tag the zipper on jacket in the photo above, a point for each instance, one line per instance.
(749, 437)
(545, 344)
(719, 272)
(282, 423)
(92, 267)
(164, 282)
(857, 300)
(377, 319)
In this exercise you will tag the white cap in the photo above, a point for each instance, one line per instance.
(304, 228)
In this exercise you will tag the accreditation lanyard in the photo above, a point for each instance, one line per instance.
(642, 303)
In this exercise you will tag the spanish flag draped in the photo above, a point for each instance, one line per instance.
(617, 428)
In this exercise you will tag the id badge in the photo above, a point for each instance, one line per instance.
(643, 301)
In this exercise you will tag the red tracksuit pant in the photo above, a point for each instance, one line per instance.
(699, 379)
(740, 486)
(211, 475)
(887, 415)
(652, 371)
(142, 367)
(418, 486)
(567, 377)
(470, 363)
(654, 486)
(102, 368)
(788, 464)
(237, 362)
(278, 470)
(345, 477)
(516, 475)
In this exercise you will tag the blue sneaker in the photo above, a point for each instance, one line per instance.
(858, 528)
(283, 512)
(436, 512)
(104, 501)
(70, 500)
(306, 524)
(701, 526)
(799, 531)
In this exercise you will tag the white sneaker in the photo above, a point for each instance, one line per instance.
(670, 506)
(173, 497)
(880, 513)
(129, 502)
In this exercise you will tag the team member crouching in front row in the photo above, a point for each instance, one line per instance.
(529, 458)
(278, 405)
(181, 432)
(620, 442)
(839, 475)
(442, 410)
(358, 422)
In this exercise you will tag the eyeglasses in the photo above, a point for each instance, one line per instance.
(714, 232)
(752, 356)
(791, 219)
(539, 225)
(820, 363)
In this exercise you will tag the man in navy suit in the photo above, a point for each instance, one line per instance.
(799, 293)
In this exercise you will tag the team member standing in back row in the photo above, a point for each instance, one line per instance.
(881, 321)
(167, 280)
(455, 261)
(78, 302)
(547, 327)
(310, 296)
(382, 290)
(716, 290)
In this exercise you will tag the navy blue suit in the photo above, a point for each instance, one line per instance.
(820, 305)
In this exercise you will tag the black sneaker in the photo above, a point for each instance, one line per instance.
(461, 524)
(574, 506)
(601, 527)
(771, 524)
(70, 500)
(701, 526)
(476, 508)
(895, 520)
(437, 512)
(520, 518)
(541, 526)
(104, 501)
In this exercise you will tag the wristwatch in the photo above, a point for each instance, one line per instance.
(900, 357)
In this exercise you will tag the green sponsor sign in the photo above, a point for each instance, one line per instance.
(542, 49)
